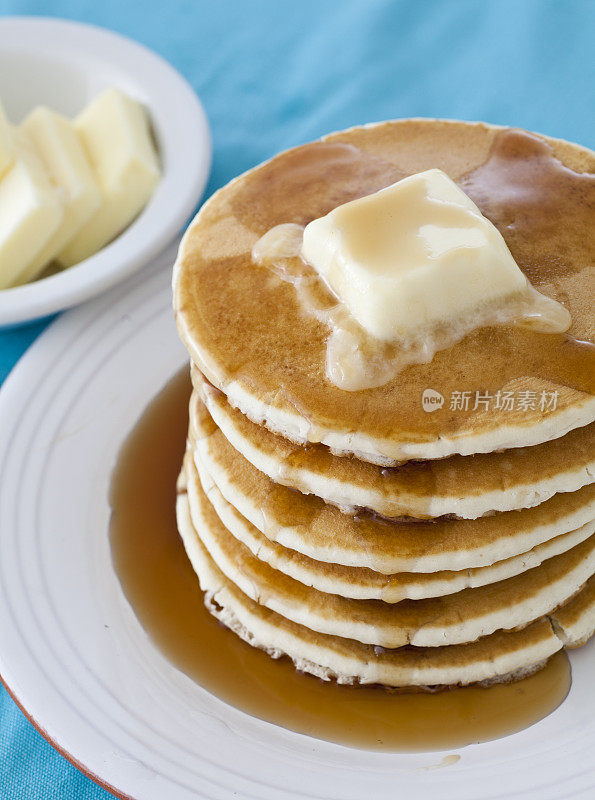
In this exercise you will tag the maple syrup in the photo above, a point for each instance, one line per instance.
(163, 590)
(543, 210)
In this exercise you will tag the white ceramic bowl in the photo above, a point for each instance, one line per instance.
(64, 65)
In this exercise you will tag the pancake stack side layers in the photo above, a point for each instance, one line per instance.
(418, 515)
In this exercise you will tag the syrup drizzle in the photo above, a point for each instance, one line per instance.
(545, 213)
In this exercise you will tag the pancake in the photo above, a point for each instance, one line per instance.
(246, 330)
(453, 619)
(362, 583)
(309, 526)
(464, 486)
(574, 623)
(499, 657)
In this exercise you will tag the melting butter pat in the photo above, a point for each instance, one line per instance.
(30, 211)
(417, 255)
(116, 135)
(61, 152)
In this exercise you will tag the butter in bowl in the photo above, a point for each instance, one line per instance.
(105, 151)
(69, 187)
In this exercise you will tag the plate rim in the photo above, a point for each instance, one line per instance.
(84, 770)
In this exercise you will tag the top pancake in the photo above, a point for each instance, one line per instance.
(247, 332)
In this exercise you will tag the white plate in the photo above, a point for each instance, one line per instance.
(64, 65)
(75, 657)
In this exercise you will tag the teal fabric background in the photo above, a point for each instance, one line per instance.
(272, 74)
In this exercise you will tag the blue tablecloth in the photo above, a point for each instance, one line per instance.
(272, 74)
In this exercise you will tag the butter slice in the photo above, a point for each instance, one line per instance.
(30, 211)
(68, 168)
(415, 256)
(115, 133)
(6, 143)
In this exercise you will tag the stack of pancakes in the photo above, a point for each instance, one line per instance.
(365, 538)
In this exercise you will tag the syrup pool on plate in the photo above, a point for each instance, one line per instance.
(164, 592)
